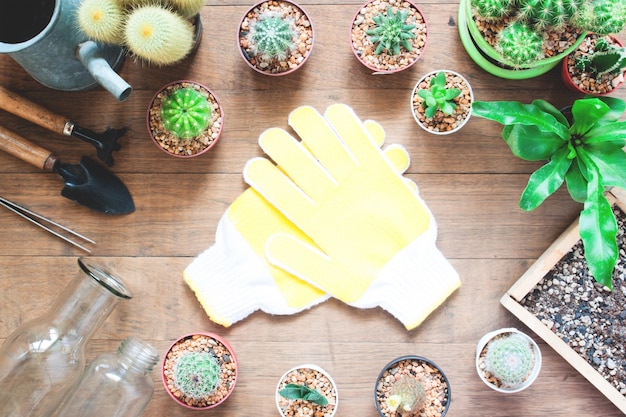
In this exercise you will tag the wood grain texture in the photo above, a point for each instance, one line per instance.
(470, 181)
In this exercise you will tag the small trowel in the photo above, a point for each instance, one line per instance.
(87, 183)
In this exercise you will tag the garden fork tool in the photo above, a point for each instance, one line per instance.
(105, 142)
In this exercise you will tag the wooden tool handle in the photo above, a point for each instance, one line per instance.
(26, 109)
(27, 151)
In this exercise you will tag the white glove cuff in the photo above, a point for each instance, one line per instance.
(414, 283)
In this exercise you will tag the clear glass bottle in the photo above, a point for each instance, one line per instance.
(43, 359)
(115, 384)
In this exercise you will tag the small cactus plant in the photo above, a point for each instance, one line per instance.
(493, 9)
(197, 375)
(520, 44)
(510, 358)
(272, 36)
(185, 112)
(302, 392)
(407, 393)
(187, 8)
(438, 97)
(606, 59)
(391, 32)
(603, 16)
(101, 20)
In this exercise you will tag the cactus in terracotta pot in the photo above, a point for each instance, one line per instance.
(196, 374)
(272, 36)
(391, 32)
(185, 112)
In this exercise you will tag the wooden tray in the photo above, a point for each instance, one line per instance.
(511, 301)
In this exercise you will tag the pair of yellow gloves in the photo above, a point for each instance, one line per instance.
(332, 215)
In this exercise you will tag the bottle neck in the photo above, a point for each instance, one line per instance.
(137, 356)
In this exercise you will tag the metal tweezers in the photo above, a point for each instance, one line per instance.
(40, 220)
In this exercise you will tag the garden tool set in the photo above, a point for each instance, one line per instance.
(333, 217)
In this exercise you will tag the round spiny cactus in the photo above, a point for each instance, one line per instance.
(510, 359)
(187, 8)
(547, 13)
(101, 20)
(408, 393)
(520, 44)
(391, 32)
(603, 16)
(158, 35)
(271, 36)
(185, 113)
(493, 9)
(197, 374)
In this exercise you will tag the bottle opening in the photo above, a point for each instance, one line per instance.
(105, 278)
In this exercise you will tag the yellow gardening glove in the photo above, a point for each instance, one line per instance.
(236, 263)
(374, 238)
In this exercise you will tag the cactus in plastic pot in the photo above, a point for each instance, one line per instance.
(408, 394)
(185, 113)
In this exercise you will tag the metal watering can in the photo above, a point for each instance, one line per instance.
(43, 37)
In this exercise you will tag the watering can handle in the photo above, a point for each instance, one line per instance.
(27, 151)
(26, 109)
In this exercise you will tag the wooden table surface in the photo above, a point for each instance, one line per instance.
(470, 181)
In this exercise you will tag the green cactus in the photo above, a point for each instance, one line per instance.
(493, 9)
(408, 393)
(101, 20)
(197, 374)
(602, 16)
(158, 35)
(545, 14)
(520, 44)
(391, 32)
(438, 96)
(187, 8)
(272, 36)
(185, 113)
(510, 358)
(606, 59)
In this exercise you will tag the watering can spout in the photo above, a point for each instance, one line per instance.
(89, 54)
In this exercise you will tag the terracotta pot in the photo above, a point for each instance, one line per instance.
(481, 349)
(416, 101)
(357, 30)
(283, 405)
(566, 76)
(191, 147)
(226, 359)
(273, 66)
(436, 400)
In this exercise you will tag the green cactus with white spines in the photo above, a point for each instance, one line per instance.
(101, 20)
(391, 32)
(545, 14)
(158, 35)
(493, 9)
(510, 359)
(272, 36)
(407, 393)
(185, 113)
(606, 59)
(603, 16)
(197, 374)
(520, 44)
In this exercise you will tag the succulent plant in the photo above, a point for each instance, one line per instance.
(520, 44)
(407, 393)
(187, 8)
(438, 96)
(391, 32)
(302, 392)
(197, 374)
(158, 35)
(185, 112)
(272, 36)
(101, 20)
(606, 59)
(510, 358)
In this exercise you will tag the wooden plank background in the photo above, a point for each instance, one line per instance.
(470, 181)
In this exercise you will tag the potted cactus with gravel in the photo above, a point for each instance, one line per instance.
(508, 360)
(527, 38)
(275, 38)
(388, 36)
(156, 32)
(199, 370)
(185, 119)
(306, 388)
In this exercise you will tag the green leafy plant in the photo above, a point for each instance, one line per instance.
(302, 392)
(185, 112)
(510, 358)
(585, 153)
(407, 393)
(272, 36)
(438, 96)
(197, 374)
(391, 32)
(606, 59)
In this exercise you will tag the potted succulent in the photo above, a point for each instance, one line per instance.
(526, 38)
(307, 386)
(507, 360)
(275, 37)
(388, 36)
(596, 67)
(199, 370)
(412, 385)
(441, 102)
(585, 152)
(185, 119)
(157, 32)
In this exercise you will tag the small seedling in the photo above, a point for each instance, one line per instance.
(302, 392)
(438, 96)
